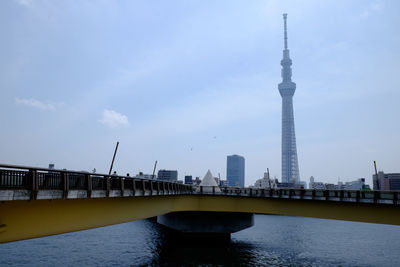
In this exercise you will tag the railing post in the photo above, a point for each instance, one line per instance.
(395, 197)
(134, 187)
(358, 196)
(158, 188)
(34, 184)
(64, 177)
(213, 190)
(88, 179)
(376, 196)
(144, 187)
(151, 188)
(107, 185)
(341, 195)
(313, 194)
(122, 184)
(302, 192)
(201, 189)
(163, 188)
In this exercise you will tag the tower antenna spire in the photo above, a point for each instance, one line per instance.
(285, 29)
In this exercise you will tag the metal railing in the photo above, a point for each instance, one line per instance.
(372, 196)
(13, 177)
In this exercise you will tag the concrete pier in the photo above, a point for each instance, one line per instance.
(207, 223)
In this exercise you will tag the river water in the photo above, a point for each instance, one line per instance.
(273, 241)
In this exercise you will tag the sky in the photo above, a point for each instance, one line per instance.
(187, 83)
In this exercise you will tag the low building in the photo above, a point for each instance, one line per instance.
(168, 175)
(142, 175)
(188, 179)
(317, 185)
(329, 186)
(223, 183)
(356, 185)
(266, 182)
(303, 184)
(197, 181)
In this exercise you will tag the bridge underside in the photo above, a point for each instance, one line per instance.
(36, 218)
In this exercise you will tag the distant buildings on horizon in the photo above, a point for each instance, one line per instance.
(358, 184)
(235, 173)
(236, 177)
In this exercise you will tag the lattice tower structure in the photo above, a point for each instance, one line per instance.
(290, 166)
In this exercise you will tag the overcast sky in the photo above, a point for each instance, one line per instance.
(189, 82)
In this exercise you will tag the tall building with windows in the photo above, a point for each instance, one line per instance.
(386, 181)
(290, 166)
(235, 170)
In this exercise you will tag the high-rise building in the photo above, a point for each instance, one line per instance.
(386, 181)
(235, 170)
(290, 166)
(167, 175)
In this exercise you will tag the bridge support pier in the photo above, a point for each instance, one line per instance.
(197, 223)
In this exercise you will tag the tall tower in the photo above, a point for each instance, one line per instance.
(290, 166)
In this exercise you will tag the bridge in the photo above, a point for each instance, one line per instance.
(36, 202)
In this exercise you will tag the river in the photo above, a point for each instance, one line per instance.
(273, 241)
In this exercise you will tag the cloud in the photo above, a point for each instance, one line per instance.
(30, 102)
(374, 7)
(113, 119)
(24, 2)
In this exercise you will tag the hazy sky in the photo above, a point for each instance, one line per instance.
(189, 82)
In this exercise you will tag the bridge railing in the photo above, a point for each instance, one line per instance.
(35, 180)
(372, 196)
(32, 179)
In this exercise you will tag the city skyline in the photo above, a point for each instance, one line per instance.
(187, 84)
